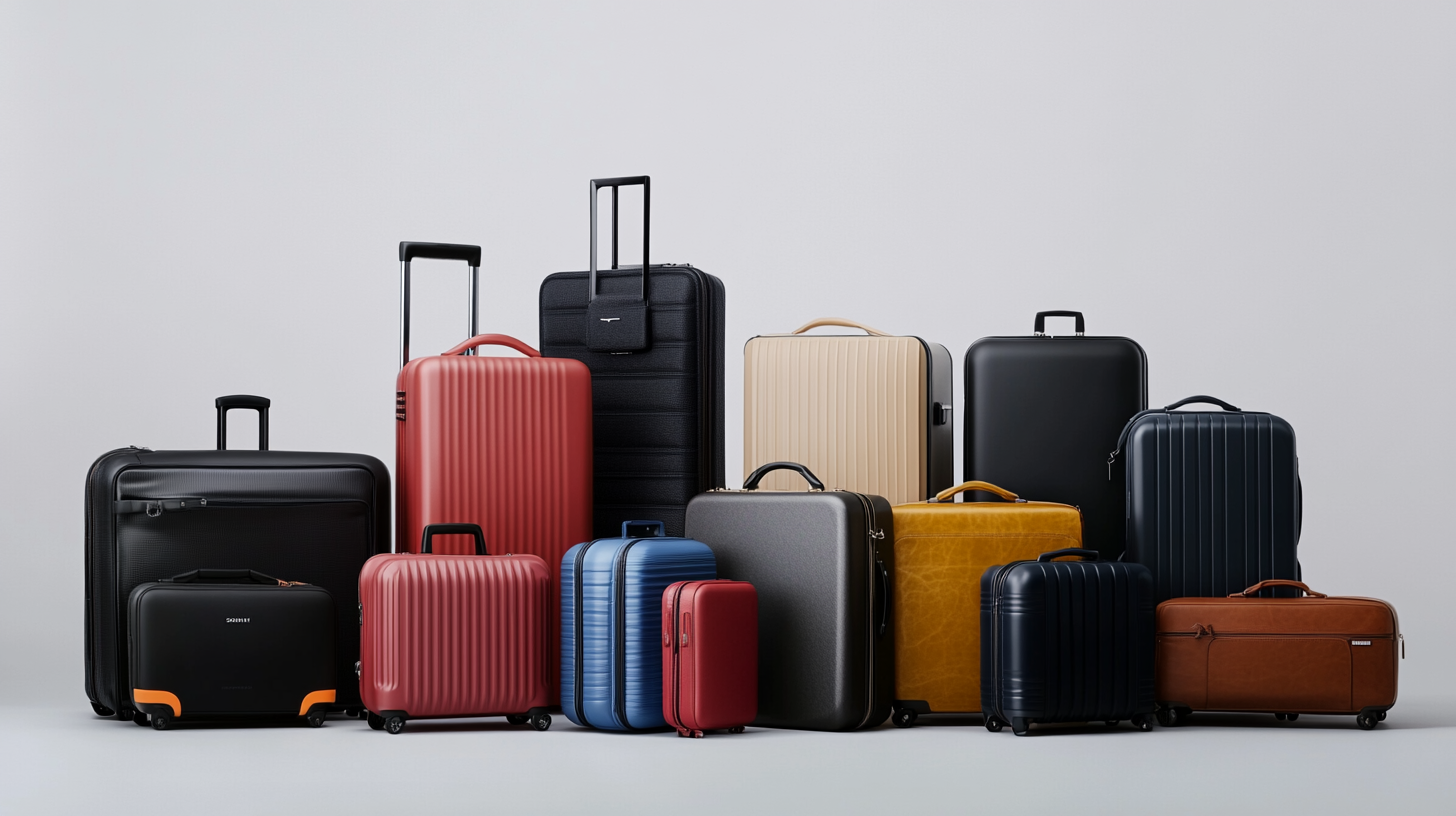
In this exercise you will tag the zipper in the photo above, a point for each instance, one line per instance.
(996, 587)
(578, 649)
(157, 506)
(676, 636)
(619, 587)
(1207, 631)
(873, 535)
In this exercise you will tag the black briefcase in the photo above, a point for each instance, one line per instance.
(227, 643)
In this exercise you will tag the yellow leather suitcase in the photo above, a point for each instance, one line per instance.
(870, 413)
(941, 549)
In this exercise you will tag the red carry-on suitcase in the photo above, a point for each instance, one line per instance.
(455, 635)
(709, 656)
(502, 442)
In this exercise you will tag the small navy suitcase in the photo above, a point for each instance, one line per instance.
(611, 621)
(1067, 641)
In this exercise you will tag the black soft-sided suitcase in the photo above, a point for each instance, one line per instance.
(654, 345)
(821, 562)
(1040, 413)
(1213, 499)
(313, 517)
(1067, 641)
(228, 643)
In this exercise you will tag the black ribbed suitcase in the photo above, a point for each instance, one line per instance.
(821, 562)
(1067, 641)
(312, 517)
(1213, 499)
(231, 643)
(1041, 412)
(654, 344)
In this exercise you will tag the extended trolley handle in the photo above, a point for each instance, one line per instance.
(408, 251)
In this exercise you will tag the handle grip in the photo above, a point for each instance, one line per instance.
(645, 182)
(885, 594)
(839, 321)
(223, 576)
(1201, 398)
(244, 401)
(1127, 429)
(432, 530)
(493, 340)
(751, 483)
(1039, 327)
(1275, 582)
(950, 492)
(1090, 555)
(409, 250)
(644, 529)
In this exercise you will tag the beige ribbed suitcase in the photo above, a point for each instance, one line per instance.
(869, 412)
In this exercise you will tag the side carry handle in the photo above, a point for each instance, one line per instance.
(432, 530)
(643, 529)
(1078, 552)
(1275, 582)
(751, 483)
(1038, 329)
(245, 401)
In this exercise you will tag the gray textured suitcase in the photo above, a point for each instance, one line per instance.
(821, 562)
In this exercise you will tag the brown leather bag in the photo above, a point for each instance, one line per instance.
(1285, 656)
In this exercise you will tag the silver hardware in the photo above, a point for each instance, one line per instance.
(1359, 643)
(609, 319)
(154, 509)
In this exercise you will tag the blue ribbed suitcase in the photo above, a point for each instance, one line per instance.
(1067, 641)
(611, 623)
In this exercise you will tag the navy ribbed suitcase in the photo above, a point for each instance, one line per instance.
(611, 623)
(1067, 641)
(1213, 499)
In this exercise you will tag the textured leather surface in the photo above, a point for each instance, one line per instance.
(1295, 655)
(1041, 415)
(621, 584)
(1212, 501)
(658, 413)
(855, 409)
(1069, 641)
(503, 442)
(823, 663)
(313, 517)
(182, 643)
(456, 635)
(709, 655)
(941, 551)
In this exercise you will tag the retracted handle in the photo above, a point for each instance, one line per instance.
(615, 183)
(1089, 555)
(223, 576)
(408, 251)
(643, 529)
(1277, 582)
(432, 530)
(1038, 329)
(1127, 429)
(751, 483)
(245, 401)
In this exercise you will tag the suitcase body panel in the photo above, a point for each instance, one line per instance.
(941, 551)
(314, 517)
(709, 655)
(233, 649)
(658, 413)
(1212, 501)
(455, 635)
(821, 563)
(611, 653)
(1278, 655)
(1067, 641)
(859, 411)
(1041, 415)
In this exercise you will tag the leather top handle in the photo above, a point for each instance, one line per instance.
(751, 483)
(224, 576)
(493, 340)
(410, 250)
(245, 401)
(1039, 327)
(839, 321)
(1275, 582)
(432, 530)
(1076, 552)
(949, 493)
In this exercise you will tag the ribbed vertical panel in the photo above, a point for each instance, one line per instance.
(455, 635)
(851, 409)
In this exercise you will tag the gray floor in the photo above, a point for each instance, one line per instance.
(60, 760)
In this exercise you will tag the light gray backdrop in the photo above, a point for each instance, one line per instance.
(200, 199)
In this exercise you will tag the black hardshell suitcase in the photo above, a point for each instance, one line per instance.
(314, 517)
(1067, 641)
(1213, 499)
(821, 563)
(229, 643)
(1040, 413)
(654, 345)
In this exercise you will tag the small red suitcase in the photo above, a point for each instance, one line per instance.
(709, 656)
(503, 442)
(455, 635)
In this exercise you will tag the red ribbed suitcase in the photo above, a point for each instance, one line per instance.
(709, 656)
(455, 635)
(503, 442)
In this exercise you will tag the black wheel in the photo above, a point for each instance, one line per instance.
(126, 713)
(140, 718)
(1166, 717)
(1020, 727)
(1112, 723)
(1279, 717)
(1182, 713)
(375, 721)
(1142, 722)
(351, 712)
(540, 722)
(737, 729)
(102, 711)
(994, 725)
(903, 717)
(162, 721)
(1380, 715)
(518, 719)
(1366, 722)
(394, 724)
(363, 713)
(1291, 717)
(315, 718)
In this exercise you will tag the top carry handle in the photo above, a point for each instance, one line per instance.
(1038, 329)
(246, 401)
(751, 483)
(1126, 429)
(227, 576)
(408, 251)
(473, 530)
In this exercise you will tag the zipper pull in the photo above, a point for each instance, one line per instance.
(1401, 638)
